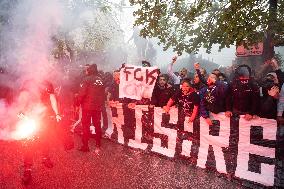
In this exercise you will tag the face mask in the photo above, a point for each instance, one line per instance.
(244, 81)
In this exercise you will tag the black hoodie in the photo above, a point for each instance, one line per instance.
(161, 95)
(243, 95)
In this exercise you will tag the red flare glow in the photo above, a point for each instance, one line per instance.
(25, 128)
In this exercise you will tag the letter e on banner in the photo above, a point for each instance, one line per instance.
(245, 149)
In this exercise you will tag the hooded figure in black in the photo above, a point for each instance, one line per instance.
(270, 96)
(162, 92)
(91, 97)
(243, 95)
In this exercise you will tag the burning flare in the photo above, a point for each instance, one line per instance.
(25, 128)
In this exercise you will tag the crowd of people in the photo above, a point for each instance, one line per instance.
(89, 91)
(203, 93)
(214, 92)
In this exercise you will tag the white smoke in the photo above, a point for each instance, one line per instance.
(31, 27)
(34, 44)
(97, 33)
(27, 44)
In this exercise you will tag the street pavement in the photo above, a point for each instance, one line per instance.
(116, 167)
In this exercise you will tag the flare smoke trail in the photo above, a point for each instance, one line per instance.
(27, 43)
(28, 35)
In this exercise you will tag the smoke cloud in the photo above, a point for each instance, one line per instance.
(49, 40)
(31, 24)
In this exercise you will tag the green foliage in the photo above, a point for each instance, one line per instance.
(187, 25)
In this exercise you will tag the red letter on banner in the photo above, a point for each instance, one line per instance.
(149, 75)
(127, 72)
(135, 75)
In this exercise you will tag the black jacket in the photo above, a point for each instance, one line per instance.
(161, 96)
(212, 99)
(91, 93)
(268, 105)
(243, 98)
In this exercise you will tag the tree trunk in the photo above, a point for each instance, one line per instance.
(268, 45)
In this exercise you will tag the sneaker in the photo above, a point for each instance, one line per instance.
(27, 176)
(84, 149)
(47, 162)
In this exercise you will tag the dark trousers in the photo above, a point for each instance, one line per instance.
(95, 116)
(40, 142)
(64, 126)
(105, 119)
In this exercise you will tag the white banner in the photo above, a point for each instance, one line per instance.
(243, 148)
(137, 82)
(269, 127)
(218, 140)
(171, 134)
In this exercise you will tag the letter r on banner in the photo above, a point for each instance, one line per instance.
(217, 141)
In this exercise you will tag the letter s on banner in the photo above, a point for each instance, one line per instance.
(171, 133)
(186, 144)
(245, 148)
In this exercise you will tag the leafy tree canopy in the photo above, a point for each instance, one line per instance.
(188, 25)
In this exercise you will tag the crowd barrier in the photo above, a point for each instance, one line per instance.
(250, 151)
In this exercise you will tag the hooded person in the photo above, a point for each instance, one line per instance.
(269, 96)
(243, 95)
(91, 98)
(146, 63)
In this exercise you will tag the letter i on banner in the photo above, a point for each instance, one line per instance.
(109, 129)
(218, 137)
(118, 122)
(247, 149)
(186, 144)
(138, 131)
(171, 133)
